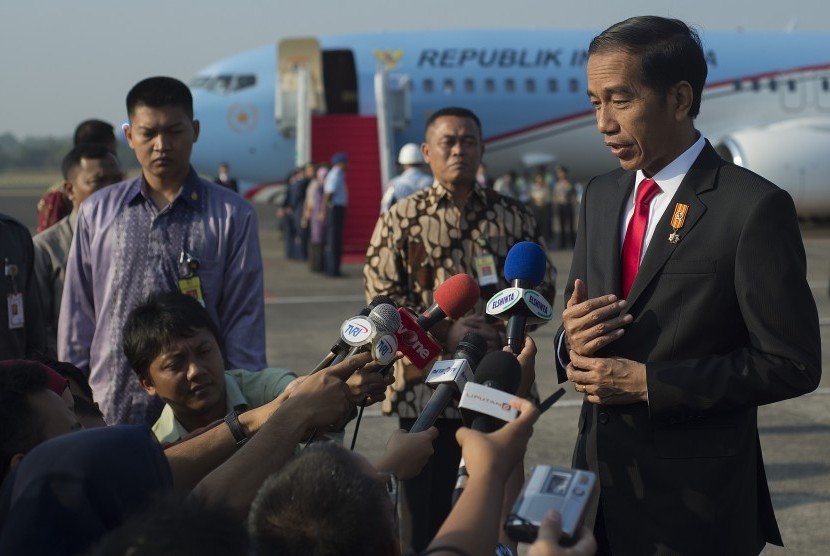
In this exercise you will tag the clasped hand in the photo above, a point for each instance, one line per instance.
(591, 324)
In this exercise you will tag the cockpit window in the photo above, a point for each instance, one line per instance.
(223, 84)
(220, 83)
(245, 81)
(199, 82)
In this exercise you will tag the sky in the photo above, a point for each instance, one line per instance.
(67, 60)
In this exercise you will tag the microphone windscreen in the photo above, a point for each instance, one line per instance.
(385, 318)
(502, 369)
(525, 261)
(457, 295)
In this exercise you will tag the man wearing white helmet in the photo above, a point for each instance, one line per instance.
(412, 178)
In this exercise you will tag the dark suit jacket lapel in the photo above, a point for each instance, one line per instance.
(701, 177)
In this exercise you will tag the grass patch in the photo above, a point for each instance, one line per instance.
(40, 178)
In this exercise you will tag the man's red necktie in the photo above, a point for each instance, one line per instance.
(636, 232)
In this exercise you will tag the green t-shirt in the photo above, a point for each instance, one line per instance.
(243, 390)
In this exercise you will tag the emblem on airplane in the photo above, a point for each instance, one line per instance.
(242, 118)
(388, 58)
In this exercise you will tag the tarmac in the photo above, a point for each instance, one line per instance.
(304, 311)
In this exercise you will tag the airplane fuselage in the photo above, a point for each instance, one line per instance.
(769, 112)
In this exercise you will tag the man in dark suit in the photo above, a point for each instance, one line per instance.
(686, 310)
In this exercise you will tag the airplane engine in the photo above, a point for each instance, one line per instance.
(794, 155)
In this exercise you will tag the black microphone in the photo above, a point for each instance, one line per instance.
(520, 304)
(340, 345)
(501, 371)
(448, 377)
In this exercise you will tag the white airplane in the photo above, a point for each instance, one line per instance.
(766, 105)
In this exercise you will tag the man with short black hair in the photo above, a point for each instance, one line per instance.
(86, 169)
(95, 131)
(291, 516)
(687, 308)
(172, 345)
(453, 226)
(164, 230)
(54, 204)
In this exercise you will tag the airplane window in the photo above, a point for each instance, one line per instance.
(489, 85)
(553, 85)
(825, 85)
(791, 85)
(199, 82)
(219, 84)
(530, 85)
(245, 81)
(449, 87)
(428, 85)
(573, 85)
(509, 85)
(738, 85)
(469, 86)
(773, 85)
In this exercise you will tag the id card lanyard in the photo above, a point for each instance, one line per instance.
(15, 298)
(485, 264)
(190, 283)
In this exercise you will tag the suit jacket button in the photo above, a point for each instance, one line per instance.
(603, 417)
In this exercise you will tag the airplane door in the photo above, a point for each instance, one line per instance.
(793, 94)
(823, 93)
(340, 78)
(291, 55)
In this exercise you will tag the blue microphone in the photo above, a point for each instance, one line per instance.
(520, 304)
(525, 265)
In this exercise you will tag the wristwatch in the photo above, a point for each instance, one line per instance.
(232, 420)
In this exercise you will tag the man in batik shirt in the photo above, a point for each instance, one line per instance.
(455, 226)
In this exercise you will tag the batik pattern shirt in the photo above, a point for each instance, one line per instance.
(125, 248)
(423, 240)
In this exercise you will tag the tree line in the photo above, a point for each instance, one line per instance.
(42, 153)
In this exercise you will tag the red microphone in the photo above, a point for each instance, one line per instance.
(454, 299)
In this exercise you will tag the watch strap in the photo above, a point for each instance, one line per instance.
(232, 420)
